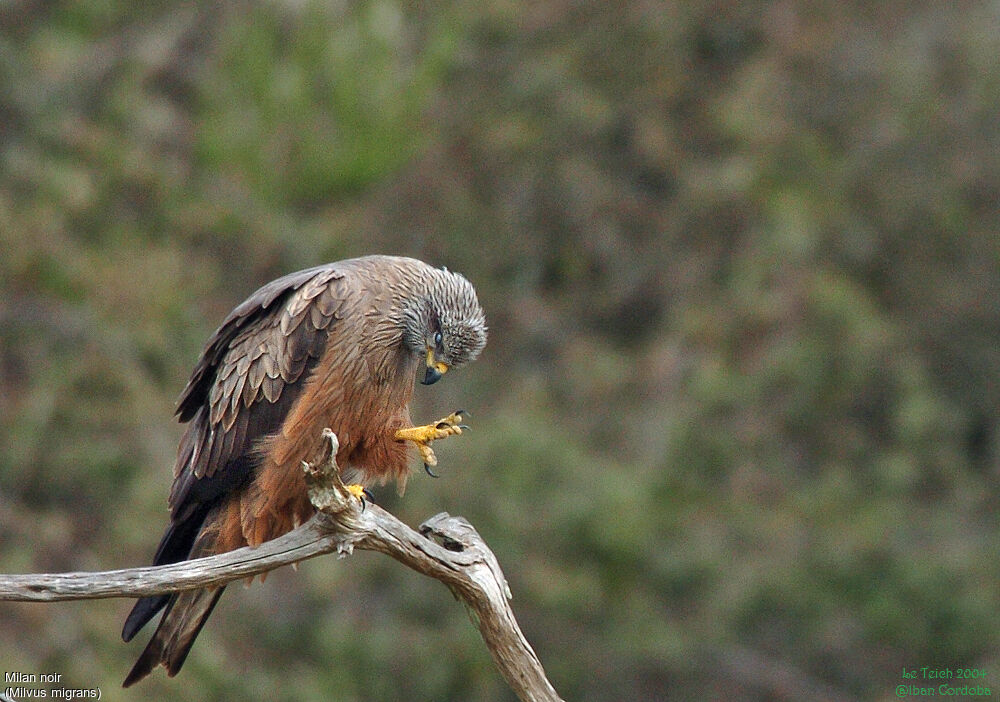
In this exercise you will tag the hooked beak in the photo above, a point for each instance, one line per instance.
(435, 369)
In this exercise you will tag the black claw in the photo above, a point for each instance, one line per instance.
(463, 426)
(365, 498)
(442, 425)
(463, 413)
(429, 472)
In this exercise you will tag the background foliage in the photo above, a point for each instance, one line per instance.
(736, 426)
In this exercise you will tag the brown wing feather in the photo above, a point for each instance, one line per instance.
(243, 386)
(248, 360)
(240, 320)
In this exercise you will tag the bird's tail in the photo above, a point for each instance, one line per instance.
(186, 613)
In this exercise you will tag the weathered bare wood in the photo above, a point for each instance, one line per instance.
(449, 549)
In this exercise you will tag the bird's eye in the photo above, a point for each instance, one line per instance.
(437, 338)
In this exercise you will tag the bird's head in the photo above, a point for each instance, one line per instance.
(445, 325)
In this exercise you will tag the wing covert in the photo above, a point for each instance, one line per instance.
(249, 375)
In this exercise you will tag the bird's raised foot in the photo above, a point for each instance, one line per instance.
(424, 435)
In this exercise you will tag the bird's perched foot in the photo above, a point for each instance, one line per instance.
(326, 490)
(361, 493)
(424, 435)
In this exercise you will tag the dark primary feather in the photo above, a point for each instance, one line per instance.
(243, 386)
(266, 345)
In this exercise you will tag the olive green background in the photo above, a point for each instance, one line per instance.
(735, 430)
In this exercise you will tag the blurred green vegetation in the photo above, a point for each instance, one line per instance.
(736, 425)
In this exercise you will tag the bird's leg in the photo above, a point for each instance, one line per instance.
(426, 434)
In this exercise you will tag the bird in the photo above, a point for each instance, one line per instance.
(338, 346)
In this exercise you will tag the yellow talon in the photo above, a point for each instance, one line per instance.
(424, 435)
(427, 455)
(361, 493)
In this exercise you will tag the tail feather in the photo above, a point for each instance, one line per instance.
(175, 546)
(144, 610)
(186, 614)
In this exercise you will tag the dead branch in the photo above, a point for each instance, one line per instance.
(448, 549)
